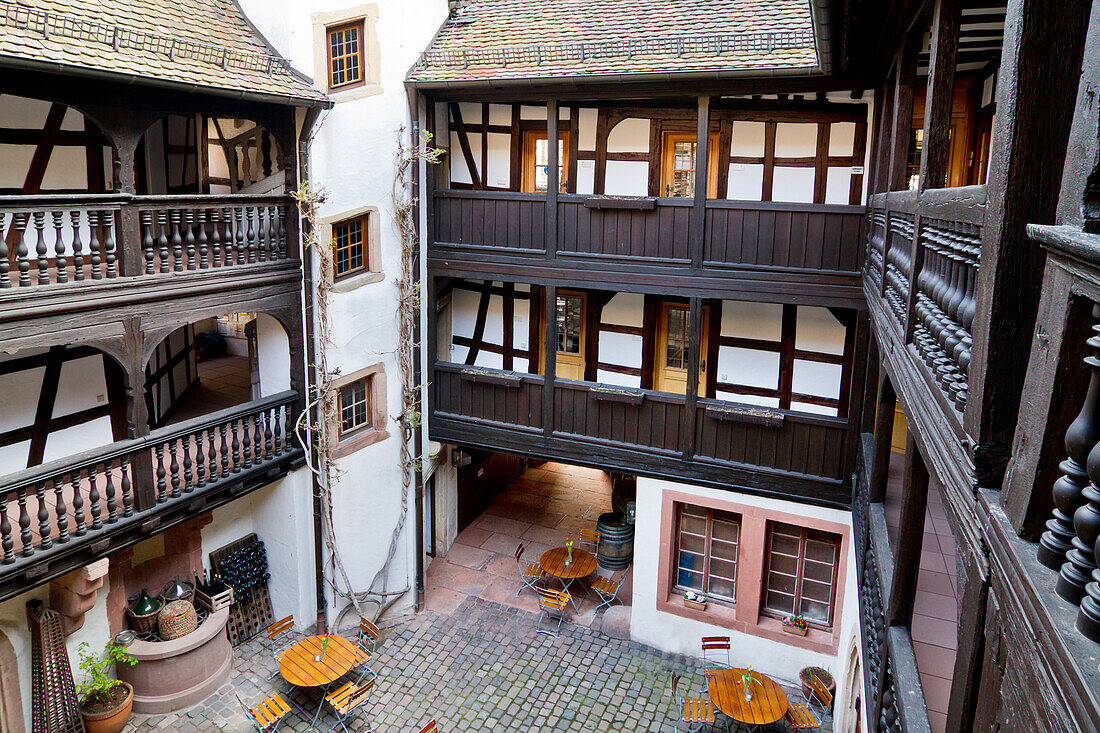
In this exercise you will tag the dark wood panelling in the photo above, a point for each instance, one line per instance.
(490, 219)
(487, 403)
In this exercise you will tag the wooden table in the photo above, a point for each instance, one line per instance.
(768, 704)
(300, 667)
(583, 565)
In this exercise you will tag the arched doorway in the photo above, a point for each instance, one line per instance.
(850, 718)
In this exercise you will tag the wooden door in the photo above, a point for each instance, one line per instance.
(535, 159)
(678, 165)
(670, 363)
(570, 313)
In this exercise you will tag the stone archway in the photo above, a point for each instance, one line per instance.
(11, 699)
(849, 719)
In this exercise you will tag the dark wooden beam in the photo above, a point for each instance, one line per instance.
(550, 356)
(47, 397)
(695, 347)
(903, 587)
(901, 126)
(600, 175)
(44, 150)
(786, 356)
(553, 182)
(509, 314)
(769, 161)
(939, 95)
(885, 405)
(464, 144)
(479, 324)
(702, 163)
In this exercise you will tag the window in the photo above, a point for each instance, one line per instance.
(676, 337)
(707, 542)
(355, 412)
(536, 161)
(678, 165)
(349, 240)
(345, 55)
(801, 576)
(570, 324)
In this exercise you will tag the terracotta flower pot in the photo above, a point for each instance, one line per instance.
(806, 687)
(110, 721)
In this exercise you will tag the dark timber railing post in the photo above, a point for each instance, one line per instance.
(691, 397)
(884, 433)
(702, 176)
(903, 586)
(550, 357)
(553, 183)
(902, 122)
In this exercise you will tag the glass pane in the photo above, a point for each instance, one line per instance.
(692, 543)
(779, 602)
(815, 611)
(817, 591)
(348, 240)
(354, 405)
(726, 530)
(693, 524)
(569, 323)
(690, 571)
(821, 572)
(676, 342)
(723, 568)
(542, 163)
(722, 587)
(683, 169)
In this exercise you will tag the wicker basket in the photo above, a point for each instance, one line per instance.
(216, 602)
(146, 624)
(177, 619)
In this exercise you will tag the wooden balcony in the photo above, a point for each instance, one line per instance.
(765, 246)
(66, 513)
(644, 432)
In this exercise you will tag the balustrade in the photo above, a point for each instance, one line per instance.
(58, 239)
(80, 497)
(876, 246)
(899, 263)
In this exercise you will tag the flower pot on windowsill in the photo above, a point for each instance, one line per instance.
(800, 631)
(698, 605)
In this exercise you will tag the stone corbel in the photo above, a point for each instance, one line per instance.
(73, 595)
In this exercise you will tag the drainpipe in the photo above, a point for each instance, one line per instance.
(418, 434)
(311, 350)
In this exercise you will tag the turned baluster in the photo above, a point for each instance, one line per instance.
(6, 226)
(188, 475)
(288, 426)
(224, 450)
(22, 256)
(177, 241)
(261, 234)
(236, 447)
(162, 239)
(273, 233)
(203, 250)
(215, 238)
(7, 541)
(78, 505)
(60, 510)
(267, 434)
(109, 491)
(162, 486)
(189, 237)
(227, 240)
(243, 245)
(257, 439)
(61, 261)
(93, 498)
(173, 470)
(969, 306)
(1076, 572)
(147, 241)
(200, 459)
(282, 232)
(25, 536)
(212, 456)
(246, 444)
(276, 418)
(127, 489)
(110, 252)
(43, 516)
(41, 249)
(78, 246)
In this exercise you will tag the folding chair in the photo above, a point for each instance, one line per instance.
(588, 539)
(430, 727)
(819, 695)
(530, 573)
(608, 589)
(268, 714)
(280, 637)
(365, 645)
(552, 604)
(349, 701)
(799, 717)
(716, 652)
(694, 713)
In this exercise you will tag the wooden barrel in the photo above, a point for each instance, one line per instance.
(616, 542)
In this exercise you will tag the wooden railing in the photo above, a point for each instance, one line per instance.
(655, 231)
(923, 254)
(55, 239)
(57, 506)
(492, 397)
(614, 415)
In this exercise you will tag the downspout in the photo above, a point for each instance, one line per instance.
(311, 367)
(826, 33)
(418, 434)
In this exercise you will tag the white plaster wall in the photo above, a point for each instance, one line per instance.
(273, 357)
(627, 178)
(623, 349)
(67, 168)
(679, 635)
(464, 305)
(629, 136)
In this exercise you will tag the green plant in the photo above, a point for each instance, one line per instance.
(796, 621)
(808, 673)
(97, 686)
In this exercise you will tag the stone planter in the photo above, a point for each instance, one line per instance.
(172, 675)
(616, 542)
(112, 721)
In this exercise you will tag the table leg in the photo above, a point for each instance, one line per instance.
(565, 583)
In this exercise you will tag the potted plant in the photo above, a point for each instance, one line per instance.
(105, 703)
(695, 600)
(747, 681)
(809, 673)
(795, 624)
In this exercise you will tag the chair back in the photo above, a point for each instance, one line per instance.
(519, 553)
(674, 683)
(430, 727)
(552, 600)
(821, 692)
(589, 537)
(280, 628)
(360, 696)
(368, 630)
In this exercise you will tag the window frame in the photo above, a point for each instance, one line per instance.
(364, 221)
(374, 429)
(358, 24)
(669, 138)
(529, 147)
(368, 422)
(838, 543)
(708, 538)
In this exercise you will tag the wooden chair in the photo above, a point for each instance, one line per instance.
(608, 589)
(530, 573)
(366, 643)
(268, 715)
(280, 637)
(716, 652)
(694, 713)
(552, 605)
(348, 701)
(430, 727)
(799, 717)
(588, 539)
(820, 695)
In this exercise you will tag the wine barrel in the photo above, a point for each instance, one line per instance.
(616, 542)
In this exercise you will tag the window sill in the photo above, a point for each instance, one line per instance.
(349, 94)
(358, 441)
(349, 284)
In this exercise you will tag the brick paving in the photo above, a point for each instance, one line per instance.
(481, 668)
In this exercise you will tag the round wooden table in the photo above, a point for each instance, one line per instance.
(300, 667)
(768, 704)
(583, 565)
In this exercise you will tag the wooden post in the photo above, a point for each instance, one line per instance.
(966, 676)
(903, 587)
(1036, 95)
(884, 433)
(550, 356)
(936, 151)
(691, 398)
(901, 127)
(552, 179)
(870, 386)
(698, 208)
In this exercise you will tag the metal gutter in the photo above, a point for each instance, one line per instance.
(418, 433)
(826, 33)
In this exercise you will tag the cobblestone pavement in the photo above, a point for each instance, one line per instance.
(480, 668)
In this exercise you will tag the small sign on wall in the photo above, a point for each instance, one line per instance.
(857, 170)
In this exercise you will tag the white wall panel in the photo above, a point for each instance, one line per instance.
(629, 136)
(627, 178)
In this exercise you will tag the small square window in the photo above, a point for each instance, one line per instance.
(345, 55)
(350, 246)
(801, 573)
(355, 412)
